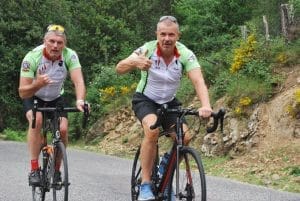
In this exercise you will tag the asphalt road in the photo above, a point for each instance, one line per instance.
(96, 177)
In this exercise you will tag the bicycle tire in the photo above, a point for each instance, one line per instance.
(39, 192)
(136, 176)
(61, 190)
(192, 182)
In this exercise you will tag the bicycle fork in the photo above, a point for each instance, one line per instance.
(47, 165)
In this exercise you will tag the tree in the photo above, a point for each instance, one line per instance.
(207, 25)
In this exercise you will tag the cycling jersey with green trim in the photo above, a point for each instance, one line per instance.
(161, 81)
(35, 62)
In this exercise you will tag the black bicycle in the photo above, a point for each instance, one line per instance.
(183, 177)
(54, 153)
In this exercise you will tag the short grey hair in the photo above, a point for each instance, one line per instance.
(167, 19)
(58, 33)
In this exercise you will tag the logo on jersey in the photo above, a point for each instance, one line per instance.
(192, 58)
(25, 66)
(138, 51)
(74, 57)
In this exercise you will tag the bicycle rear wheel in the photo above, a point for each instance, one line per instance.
(60, 189)
(192, 183)
(136, 176)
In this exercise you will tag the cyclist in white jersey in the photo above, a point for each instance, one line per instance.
(162, 63)
(43, 72)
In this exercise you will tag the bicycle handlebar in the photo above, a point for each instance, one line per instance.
(218, 117)
(60, 108)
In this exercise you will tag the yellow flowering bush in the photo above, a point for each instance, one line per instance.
(243, 53)
(238, 111)
(243, 103)
(107, 93)
(281, 58)
(133, 86)
(111, 92)
(297, 96)
(124, 90)
(294, 108)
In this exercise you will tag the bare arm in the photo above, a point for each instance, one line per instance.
(132, 62)
(80, 90)
(197, 79)
(28, 86)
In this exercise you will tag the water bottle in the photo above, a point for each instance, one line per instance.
(162, 164)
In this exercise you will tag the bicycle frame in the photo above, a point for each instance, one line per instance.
(178, 144)
(51, 125)
(173, 161)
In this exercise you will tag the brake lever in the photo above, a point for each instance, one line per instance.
(217, 117)
(222, 115)
(86, 114)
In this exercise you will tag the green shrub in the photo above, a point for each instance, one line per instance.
(245, 86)
(186, 90)
(14, 135)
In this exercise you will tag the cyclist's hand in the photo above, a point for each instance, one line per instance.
(42, 80)
(80, 105)
(205, 112)
(142, 62)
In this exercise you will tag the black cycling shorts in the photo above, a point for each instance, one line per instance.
(28, 104)
(142, 106)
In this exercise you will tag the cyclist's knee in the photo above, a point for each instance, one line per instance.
(38, 120)
(64, 126)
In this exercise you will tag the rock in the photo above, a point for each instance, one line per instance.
(275, 177)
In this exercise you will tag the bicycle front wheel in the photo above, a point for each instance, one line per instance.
(191, 178)
(60, 182)
(39, 192)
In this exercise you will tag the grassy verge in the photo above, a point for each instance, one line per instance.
(280, 177)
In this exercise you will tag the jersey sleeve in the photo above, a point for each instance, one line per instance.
(28, 67)
(71, 59)
(141, 50)
(187, 57)
(191, 61)
(148, 48)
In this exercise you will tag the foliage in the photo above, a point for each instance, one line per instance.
(214, 64)
(244, 86)
(14, 135)
(186, 90)
(271, 9)
(252, 71)
(243, 54)
(295, 171)
(208, 25)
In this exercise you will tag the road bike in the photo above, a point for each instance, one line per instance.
(183, 177)
(53, 154)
